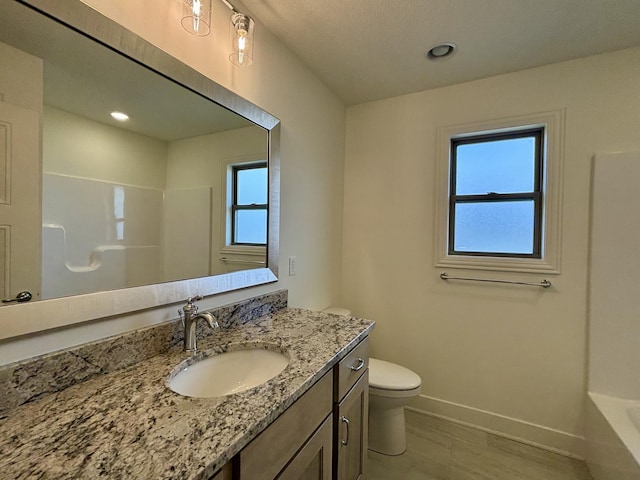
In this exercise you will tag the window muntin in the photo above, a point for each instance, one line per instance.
(495, 203)
(249, 204)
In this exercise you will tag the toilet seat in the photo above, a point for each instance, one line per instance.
(381, 392)
(389, 379)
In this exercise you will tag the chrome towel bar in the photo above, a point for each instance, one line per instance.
(544, 283)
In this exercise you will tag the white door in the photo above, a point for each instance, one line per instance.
(20, 201)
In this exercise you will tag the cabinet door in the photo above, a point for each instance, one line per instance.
(273, 449)
(313, 460)
(225, 473)
(351, 427)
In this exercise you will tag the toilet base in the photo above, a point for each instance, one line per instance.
(387, 430)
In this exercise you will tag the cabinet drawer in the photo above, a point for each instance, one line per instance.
(351, 368)
(270, 451)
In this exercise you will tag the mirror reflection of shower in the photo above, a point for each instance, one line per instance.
(116, 220)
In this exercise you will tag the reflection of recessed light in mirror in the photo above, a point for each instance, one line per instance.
(121, 117)
(441, 51)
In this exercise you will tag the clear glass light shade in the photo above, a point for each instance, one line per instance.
(196, 17)
(241, 33)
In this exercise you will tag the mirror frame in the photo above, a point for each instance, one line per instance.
(28, 318)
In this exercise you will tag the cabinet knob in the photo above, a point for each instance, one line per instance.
(345, 420)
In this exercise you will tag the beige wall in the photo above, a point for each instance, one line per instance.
(79, 147)
(21, 78)
(507, 358)
(312, 160)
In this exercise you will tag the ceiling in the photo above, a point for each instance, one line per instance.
(366, 50)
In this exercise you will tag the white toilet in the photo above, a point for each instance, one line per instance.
(391, 387)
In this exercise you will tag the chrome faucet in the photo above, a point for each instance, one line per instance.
(189, 315)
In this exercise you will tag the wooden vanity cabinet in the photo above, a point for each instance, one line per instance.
(297, 445)
(322, 436)
(351, 414)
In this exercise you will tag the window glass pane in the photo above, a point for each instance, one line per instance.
(494, 227)
(252, 186)
(501, 166)
(251, 226)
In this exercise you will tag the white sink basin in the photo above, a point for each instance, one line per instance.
(227, 373)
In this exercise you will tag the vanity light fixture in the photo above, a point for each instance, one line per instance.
(196, 19)
(241, 33)
(120, 116)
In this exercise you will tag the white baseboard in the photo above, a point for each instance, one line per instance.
(556, 441)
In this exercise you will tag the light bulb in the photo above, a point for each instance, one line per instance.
(242, 40)
(242, 45)
(196, 15)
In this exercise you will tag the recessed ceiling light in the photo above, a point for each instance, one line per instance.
(441, 51)
(121, 117)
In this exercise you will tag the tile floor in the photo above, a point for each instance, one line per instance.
(441, 450)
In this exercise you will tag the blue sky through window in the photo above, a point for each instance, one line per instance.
(502, 166)
(252, 186)
(251, 225)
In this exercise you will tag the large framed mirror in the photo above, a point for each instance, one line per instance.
(101, 216)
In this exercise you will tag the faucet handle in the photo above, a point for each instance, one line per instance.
(195, 298)
(190, 306)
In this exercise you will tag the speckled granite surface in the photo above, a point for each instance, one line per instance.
(128, 424)
(28, 380)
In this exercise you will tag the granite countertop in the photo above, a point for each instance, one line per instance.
(128, 424)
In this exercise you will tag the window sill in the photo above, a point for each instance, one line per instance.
(500, 264)
(244, 250)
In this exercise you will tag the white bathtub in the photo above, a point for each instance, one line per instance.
(613, 437)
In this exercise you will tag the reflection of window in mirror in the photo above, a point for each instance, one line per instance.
(245, 212)
(249, 207)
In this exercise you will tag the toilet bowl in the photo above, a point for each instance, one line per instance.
(391, 387)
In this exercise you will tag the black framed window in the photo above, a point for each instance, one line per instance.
(249, 207)
(495, 203)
